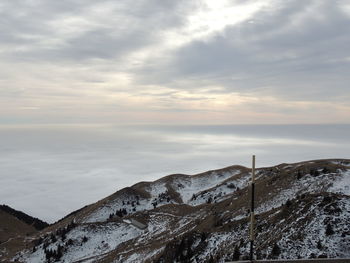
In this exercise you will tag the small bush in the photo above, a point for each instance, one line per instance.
(236, 254)
(288, 203)
(329, 230)
(231, 185)
(276, 251)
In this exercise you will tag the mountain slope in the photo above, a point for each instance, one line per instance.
(10, 227)
(303, 210)
(14, 225)
(27, 219)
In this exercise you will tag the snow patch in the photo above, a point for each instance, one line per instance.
(341, 183)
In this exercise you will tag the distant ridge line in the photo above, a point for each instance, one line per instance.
(29, 220)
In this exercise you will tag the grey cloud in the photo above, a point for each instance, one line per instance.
(96, 44)
(266, 55)
(141, 21)
(270, 55)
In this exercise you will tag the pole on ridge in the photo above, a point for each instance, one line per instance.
(252, 237)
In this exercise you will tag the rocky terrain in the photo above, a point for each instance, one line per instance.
(303, 211)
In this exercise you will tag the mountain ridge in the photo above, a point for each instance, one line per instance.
(204, 217)
(38, 224)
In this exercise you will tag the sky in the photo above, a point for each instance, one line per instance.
(174, 62)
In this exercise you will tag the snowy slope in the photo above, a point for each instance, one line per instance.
(203, 185)
(303, 211)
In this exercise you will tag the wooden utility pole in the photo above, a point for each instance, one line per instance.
(252, 237)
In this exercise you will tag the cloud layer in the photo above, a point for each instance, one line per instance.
(49, 171)
(265, 61)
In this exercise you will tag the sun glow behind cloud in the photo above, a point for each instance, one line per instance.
(212, 17)
(208, 19)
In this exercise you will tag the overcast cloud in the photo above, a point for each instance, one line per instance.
(268, 61)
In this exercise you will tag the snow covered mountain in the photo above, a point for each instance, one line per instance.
(303, 211)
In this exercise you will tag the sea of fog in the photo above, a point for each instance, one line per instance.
(49, 171)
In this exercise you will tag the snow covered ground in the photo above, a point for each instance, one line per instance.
(301, 233)
(100, 239)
